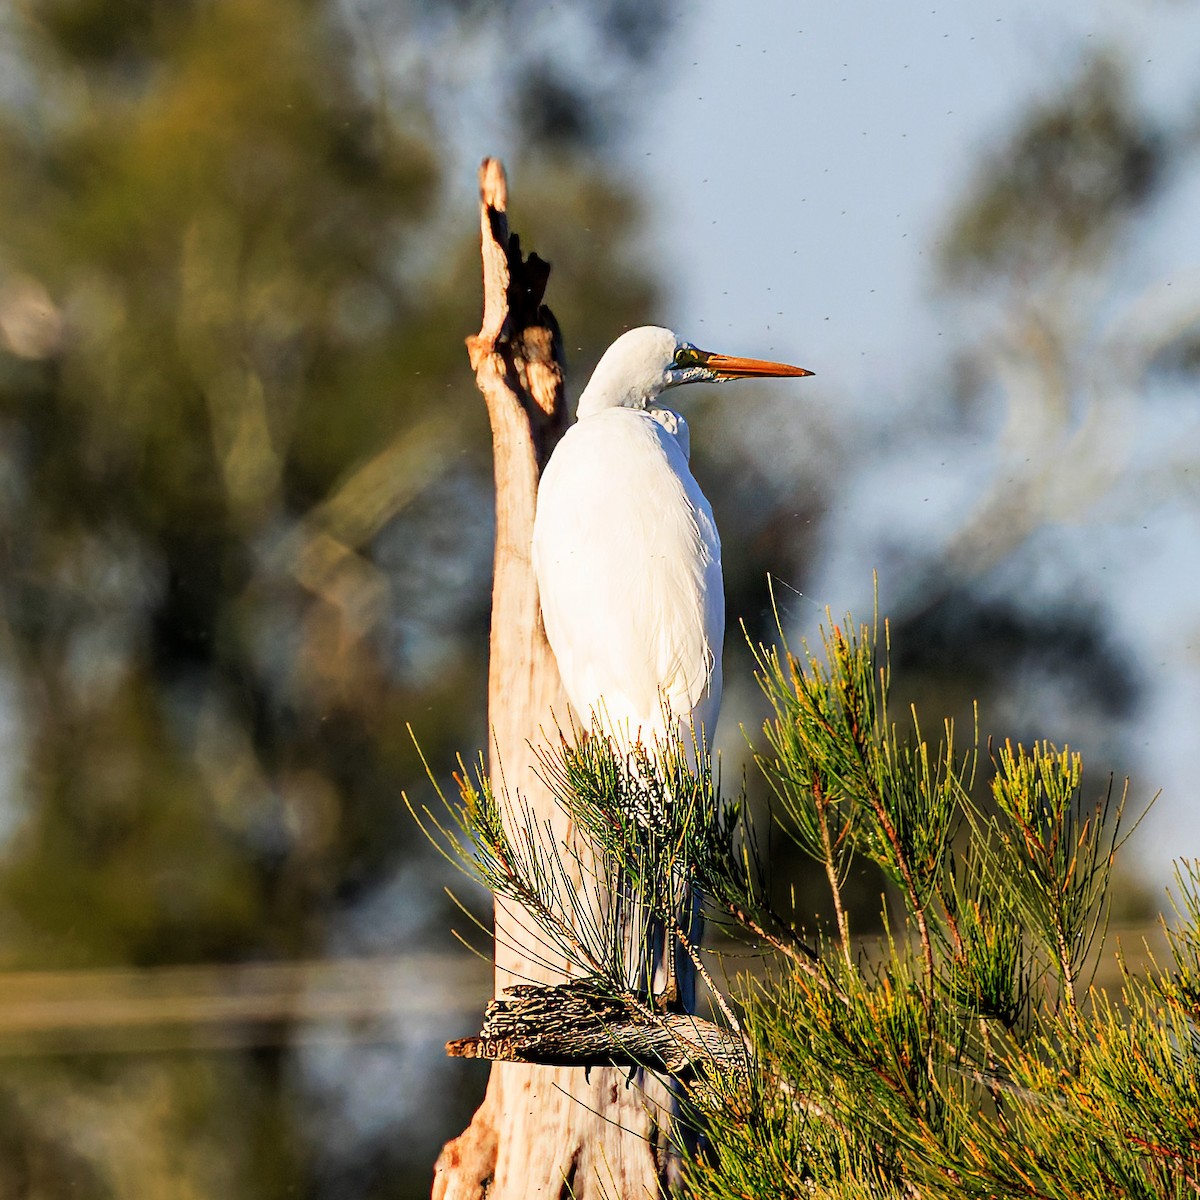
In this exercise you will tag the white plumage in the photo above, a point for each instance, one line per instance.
(626, 553)
(629, 566)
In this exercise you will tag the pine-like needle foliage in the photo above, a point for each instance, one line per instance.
(645, 829)
(966, 1052)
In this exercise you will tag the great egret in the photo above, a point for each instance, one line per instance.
(626, 554)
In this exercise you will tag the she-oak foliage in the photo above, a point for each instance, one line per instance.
(967, 1054)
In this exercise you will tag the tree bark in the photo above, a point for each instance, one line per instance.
(573, 1025)
(542, 1131)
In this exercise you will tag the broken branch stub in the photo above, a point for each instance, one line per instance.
(517, 356)
(517, 353)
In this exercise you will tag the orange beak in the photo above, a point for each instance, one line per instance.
(725, 366)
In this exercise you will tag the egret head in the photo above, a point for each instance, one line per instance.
(641, 364)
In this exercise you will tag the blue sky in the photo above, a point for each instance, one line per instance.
(802, 161)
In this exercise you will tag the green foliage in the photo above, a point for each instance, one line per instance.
(845, 780)
(964, 1053)
(633, 826)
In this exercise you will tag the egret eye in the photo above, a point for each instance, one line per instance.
(685, 356)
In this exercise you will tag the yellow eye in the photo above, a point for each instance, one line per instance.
(685, 356)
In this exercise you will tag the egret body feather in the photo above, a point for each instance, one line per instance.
(625, 550)
(628, 563)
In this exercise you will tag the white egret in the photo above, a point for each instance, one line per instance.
(628, 565)
(626, 554)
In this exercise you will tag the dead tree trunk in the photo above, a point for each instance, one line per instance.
(542, 1131)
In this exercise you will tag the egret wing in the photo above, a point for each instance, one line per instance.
(629, 570)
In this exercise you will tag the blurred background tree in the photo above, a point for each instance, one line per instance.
(244, 531)
(1043, 423)
(1062, 369)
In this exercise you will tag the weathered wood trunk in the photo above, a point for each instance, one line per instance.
(541, 1131)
